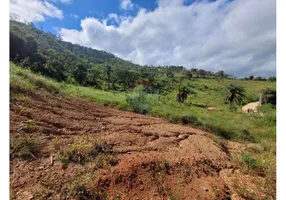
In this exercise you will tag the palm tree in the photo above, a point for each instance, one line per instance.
(235, 93)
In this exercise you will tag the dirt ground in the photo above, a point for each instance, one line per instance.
(155, 159)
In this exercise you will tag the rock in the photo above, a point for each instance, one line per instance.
(205, 189)
(251, 107)
(52, 160)
(183, 136)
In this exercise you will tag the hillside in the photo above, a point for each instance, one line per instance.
(63, 101)
(65, 146)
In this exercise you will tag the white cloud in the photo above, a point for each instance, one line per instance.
(126, 4)
(63, 1)
(113, 16)
(238, 37)
(168, 3)
(33, 10)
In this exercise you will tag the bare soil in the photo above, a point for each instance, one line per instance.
(251, 107)
(156, 159)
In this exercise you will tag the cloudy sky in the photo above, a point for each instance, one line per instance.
(237, 36)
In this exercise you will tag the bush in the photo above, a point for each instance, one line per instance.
(138, 101)
(269, 96)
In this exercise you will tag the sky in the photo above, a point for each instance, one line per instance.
(237, 36)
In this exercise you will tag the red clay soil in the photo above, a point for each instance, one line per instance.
(155, 159)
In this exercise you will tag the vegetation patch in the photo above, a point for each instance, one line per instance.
(139, 101)
(80, 153)
(26, 149)
(250, 162)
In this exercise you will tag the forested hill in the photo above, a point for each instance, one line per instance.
(46, 41)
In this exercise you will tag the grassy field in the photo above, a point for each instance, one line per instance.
(235, 126)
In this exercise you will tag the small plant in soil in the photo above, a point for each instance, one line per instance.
(100, 154)
(250, 162)
(23, 148)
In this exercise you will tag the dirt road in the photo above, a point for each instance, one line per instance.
(154, 159)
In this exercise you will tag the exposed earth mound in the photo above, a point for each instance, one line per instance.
(251, 107)
(63, 148)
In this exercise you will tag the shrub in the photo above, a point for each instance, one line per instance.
(183, 93)
(138, 101)
(269, 96)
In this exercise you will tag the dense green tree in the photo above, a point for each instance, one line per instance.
(80, 73)
(17, 48)
(189, 74)
(126, 78)
(55, 69)
(251, 77)
(259, 78)
(170, 74)
(202, 73)
(272, 79)
(93, 77)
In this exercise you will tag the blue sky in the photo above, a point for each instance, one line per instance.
(79, 9)
(237, 36)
